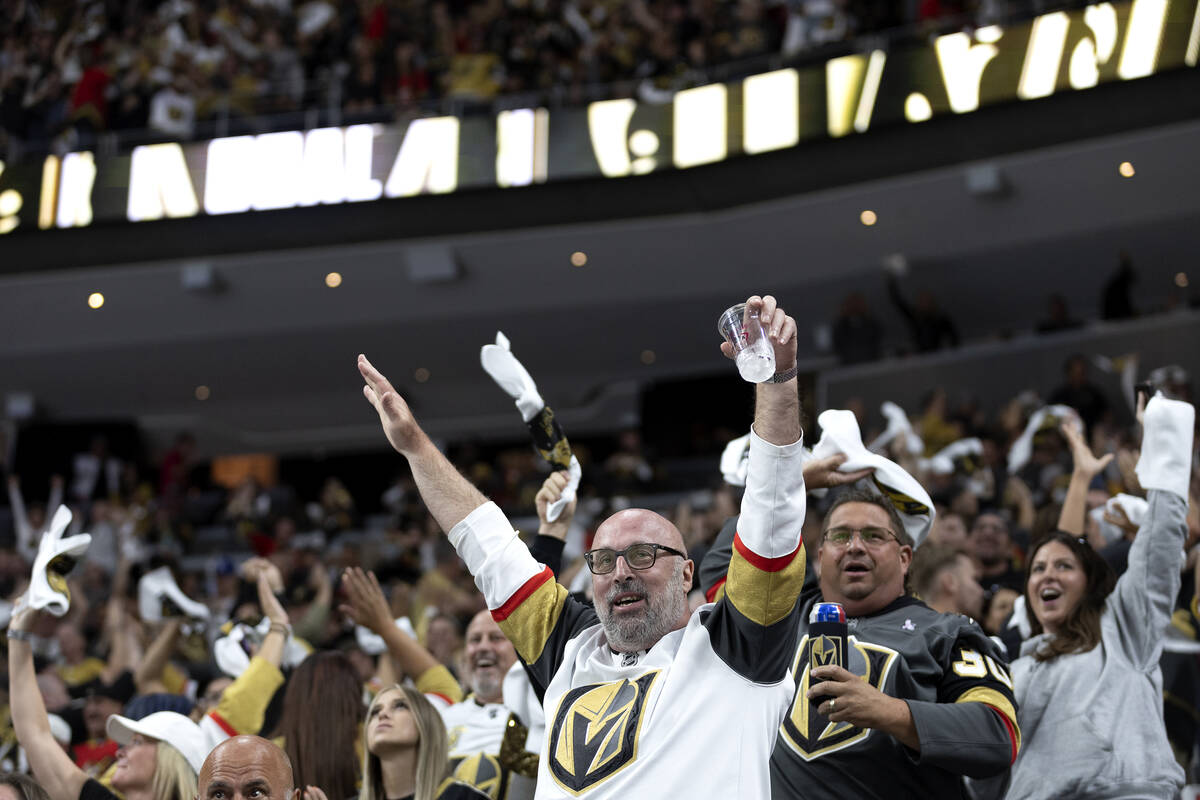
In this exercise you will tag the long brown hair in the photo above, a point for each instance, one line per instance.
(322, 712)
(1081, 631)
(432, 749)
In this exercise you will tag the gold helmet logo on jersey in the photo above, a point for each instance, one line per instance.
(826, 650)
(595, 732)
(807, 731)
(481, 770)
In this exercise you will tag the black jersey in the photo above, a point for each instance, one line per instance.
(953, 677)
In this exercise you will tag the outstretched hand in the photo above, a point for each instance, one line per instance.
(779, 327)
(1081, 454)
(368, 606)
(397, 420)
(822, 473)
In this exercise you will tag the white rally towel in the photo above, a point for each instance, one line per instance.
(897, 425)
(372, 643)
(158, 585)
(1135, 509)
(48, 585)
(511, 376)
(231, 654)
(735, 461)
(948, 459)
(840, 434)
(1046, 416)
(1166, 459)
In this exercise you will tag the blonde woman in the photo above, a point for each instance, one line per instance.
(159, 758)
(405, 754)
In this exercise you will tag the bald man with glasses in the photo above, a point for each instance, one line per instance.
(641, 695)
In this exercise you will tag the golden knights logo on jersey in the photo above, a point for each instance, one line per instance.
(595, 732)
(825, 650)
(804, 729)
(481, 770)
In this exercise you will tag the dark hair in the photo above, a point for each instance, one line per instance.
(863, 496)
(25, 787)
(1081, 630)
(928, 563)
(322, 713)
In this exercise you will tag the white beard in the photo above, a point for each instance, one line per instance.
(628, 634)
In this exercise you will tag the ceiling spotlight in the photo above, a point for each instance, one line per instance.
(868, 217)
(648, 357)
(578, 258)
(1126, 170)
(420, 375)
(203, 392)
(333, 280)
(95, 300)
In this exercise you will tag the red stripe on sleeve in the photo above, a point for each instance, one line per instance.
(222, 724)
(441, 696)
(521, 595)
(712, 591)
(764, 564)
(1012, 734)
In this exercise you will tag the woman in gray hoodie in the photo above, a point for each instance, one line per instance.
(1088, 684)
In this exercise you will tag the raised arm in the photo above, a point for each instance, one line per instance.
(446, 493)
(148, 677)
(529, 605)
(368, 607)
(51, 765)
(1072, 518)
(752, 627)
(1145, 595)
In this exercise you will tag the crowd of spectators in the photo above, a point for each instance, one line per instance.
(991, 506)
(71, 70)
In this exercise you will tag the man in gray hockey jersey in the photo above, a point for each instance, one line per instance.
(925, 698)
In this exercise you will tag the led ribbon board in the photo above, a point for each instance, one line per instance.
(955, 74)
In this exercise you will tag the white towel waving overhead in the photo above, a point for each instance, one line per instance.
(55, 557)
(511, 376)
(897, 425)
(962, 455)
(1166, 459)
(1045, 417)
(840, 434)
(232, 654)
(157, 589)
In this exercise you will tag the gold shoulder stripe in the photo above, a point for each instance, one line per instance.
(528, 625)
(993, 698)
(764, 597)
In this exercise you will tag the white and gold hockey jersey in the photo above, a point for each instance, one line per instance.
(639, 724)
(489, 749)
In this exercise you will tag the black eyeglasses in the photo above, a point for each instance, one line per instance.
(642, 555)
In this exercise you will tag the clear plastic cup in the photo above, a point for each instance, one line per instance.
(753, 353)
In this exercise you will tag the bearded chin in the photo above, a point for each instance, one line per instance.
(485, 686)
(627, 634)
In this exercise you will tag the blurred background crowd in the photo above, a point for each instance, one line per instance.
(71, 70)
